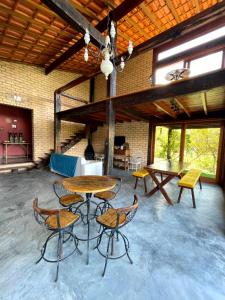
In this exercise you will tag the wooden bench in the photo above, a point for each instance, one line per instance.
(189, 181)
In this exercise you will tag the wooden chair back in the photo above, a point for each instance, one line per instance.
(130, 211)
(41, 214)
(118, 184)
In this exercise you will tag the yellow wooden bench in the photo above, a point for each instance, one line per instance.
(189, 181)
(140, 174)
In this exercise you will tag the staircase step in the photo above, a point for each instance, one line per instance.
(17, 167)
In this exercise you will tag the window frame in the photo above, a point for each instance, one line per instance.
(190, 54)
(186, 125)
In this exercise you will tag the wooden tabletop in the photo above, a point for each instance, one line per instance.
(89, 184)
(167, 167)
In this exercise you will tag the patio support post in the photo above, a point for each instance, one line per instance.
(182, 142)
(57, 122)
(151, 143)
(91, 100)
(169, 143)
(110, 124)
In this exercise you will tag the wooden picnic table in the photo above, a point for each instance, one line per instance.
(168, 168)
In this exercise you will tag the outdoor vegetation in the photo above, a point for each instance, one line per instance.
(201, 147)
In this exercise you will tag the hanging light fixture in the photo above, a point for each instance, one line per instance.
(109, 54)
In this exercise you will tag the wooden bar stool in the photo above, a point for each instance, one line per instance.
(112, 221)
(108, 196)
(60, 222)
(140, 174)
(66, 198)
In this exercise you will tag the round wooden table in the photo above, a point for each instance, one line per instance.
(88, 184)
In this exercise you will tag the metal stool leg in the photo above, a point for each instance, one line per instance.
(107, 254)
(136, 182)
(44, 248)
(179, 197)
(59, 254)
(145, 185)
(200, 183)
(126, 244)
(193, 198)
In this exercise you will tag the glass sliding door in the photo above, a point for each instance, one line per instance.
(167, 143)
(201, 149)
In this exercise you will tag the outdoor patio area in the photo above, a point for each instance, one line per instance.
(178, 251)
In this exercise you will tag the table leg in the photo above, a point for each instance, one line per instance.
(6, 153)
(88, 197)
(159, 186)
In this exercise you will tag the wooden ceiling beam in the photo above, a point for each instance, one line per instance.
(82, 110)
(182, 107)
(213, 117)
(204, 103)
(159, 107)
(188, 25)
(74, 98)
(75, 82)
(75, 19)
(174, 89)
(118, 13)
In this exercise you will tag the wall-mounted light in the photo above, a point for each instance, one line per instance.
(17, 98)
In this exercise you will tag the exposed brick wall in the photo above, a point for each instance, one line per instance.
(36, 90)
(136, 134)
(135, 77)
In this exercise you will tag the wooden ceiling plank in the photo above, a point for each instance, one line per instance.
(173, 10)
(136, 26)
(182, 107)
(74, 18)
(189, 24)
(133, 114)
(197, 6)
(8, 21)
(147, 11)
(25, 51)
(118, 13)
(164, 110)
(30, 33)
(204, 103)
(38, 23)
(26, 43)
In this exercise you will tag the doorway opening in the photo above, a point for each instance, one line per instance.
(15, 135)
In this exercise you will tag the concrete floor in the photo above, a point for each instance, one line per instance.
(178, 252)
